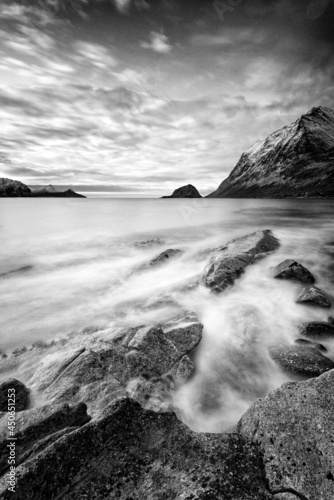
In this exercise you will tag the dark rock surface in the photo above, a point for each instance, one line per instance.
(313, 296)
(133, 453)
(301, 360)
(21, 395)
(295, 161)
(229, 263)
(308, 343)
(293, 428)
(330, 320)
(188, 191)
(12, 188)
(292, 270)
(165, 256)
(317, 329)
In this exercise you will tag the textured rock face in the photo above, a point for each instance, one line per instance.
(313, 296)
(301, 360)
(296, 161)
(188, 191)
(317, 329)
(133, 453)
(21, 395)
(11, 188)
(293, 427)
(291, 270)
(229, 263)
(304, 342)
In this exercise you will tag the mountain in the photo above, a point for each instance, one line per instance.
(188, 191)
(10, 188)
(296, 161)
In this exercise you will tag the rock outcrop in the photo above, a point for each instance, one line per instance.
(229, 262)
(301, 360)
(308, 343)
(292, 270)
(313, 296)
(10, 188)
(293, 428)
(317, 330)
(295, 161)
(188, 191)
(18, 394)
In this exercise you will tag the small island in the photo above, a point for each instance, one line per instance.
(10, 188)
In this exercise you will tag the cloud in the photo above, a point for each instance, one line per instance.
(158, 43)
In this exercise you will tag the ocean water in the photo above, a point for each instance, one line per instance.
(71, 264)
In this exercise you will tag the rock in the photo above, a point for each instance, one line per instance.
(291, 270)
(134, 453)
(229, 263)
(21, 395)
(185, 331)
(317, 329)
(37, 428)
(12, 188)
(188, 191)
(301, 360)
(149, 243)
(185, 370)
(308, 343)
(295, 161)
(164, 256)
(293, 428)
(330, 320)
(313, 296)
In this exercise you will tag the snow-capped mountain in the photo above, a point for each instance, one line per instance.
(295, 161)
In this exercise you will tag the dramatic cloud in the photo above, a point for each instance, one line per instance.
(144, 96)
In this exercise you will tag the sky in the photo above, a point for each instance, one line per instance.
(135, 98)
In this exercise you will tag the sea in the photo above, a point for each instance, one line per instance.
(71, 265)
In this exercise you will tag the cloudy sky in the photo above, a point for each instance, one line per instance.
(138, 97)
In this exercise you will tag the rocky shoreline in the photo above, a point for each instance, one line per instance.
(97, 418)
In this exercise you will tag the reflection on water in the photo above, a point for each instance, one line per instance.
(69, 264)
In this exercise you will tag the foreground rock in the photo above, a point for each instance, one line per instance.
(317, 329)
(302, 360)
(138, 454)
(308, 343)
(230, 261)
(291, 270)
(293, 428)
(17, 392)
(313, 296)
(188, 191)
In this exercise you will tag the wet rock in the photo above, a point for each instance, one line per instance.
(149, 243)
(317, 329)
(37, 428)
(292, 270)
(308, 343)
(134, 453)
(165, 256)
(301, 360)
(229, 263)
(185, 369)
(313, 296)
(185, 331)
(21, 395)
(330, 320)
(293, 428)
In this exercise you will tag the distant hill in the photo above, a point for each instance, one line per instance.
(10, 188)
(188, 191)
(295, 161)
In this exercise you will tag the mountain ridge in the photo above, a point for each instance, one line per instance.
(10, 188)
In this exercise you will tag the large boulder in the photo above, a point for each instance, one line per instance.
(313, 296)
(292, 270)
(317, 329)
(229, 262)
(133, 453)
(301, 360)
(308, 343)
(13, 393)
(293, 428)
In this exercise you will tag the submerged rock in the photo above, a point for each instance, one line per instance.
(317, 329)
(293, 428)
(308, 343)
(301, 360)
(16, 391)
(139, 454)
(313, 296)
(229, 263)
(292, 270)
(164, 256)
